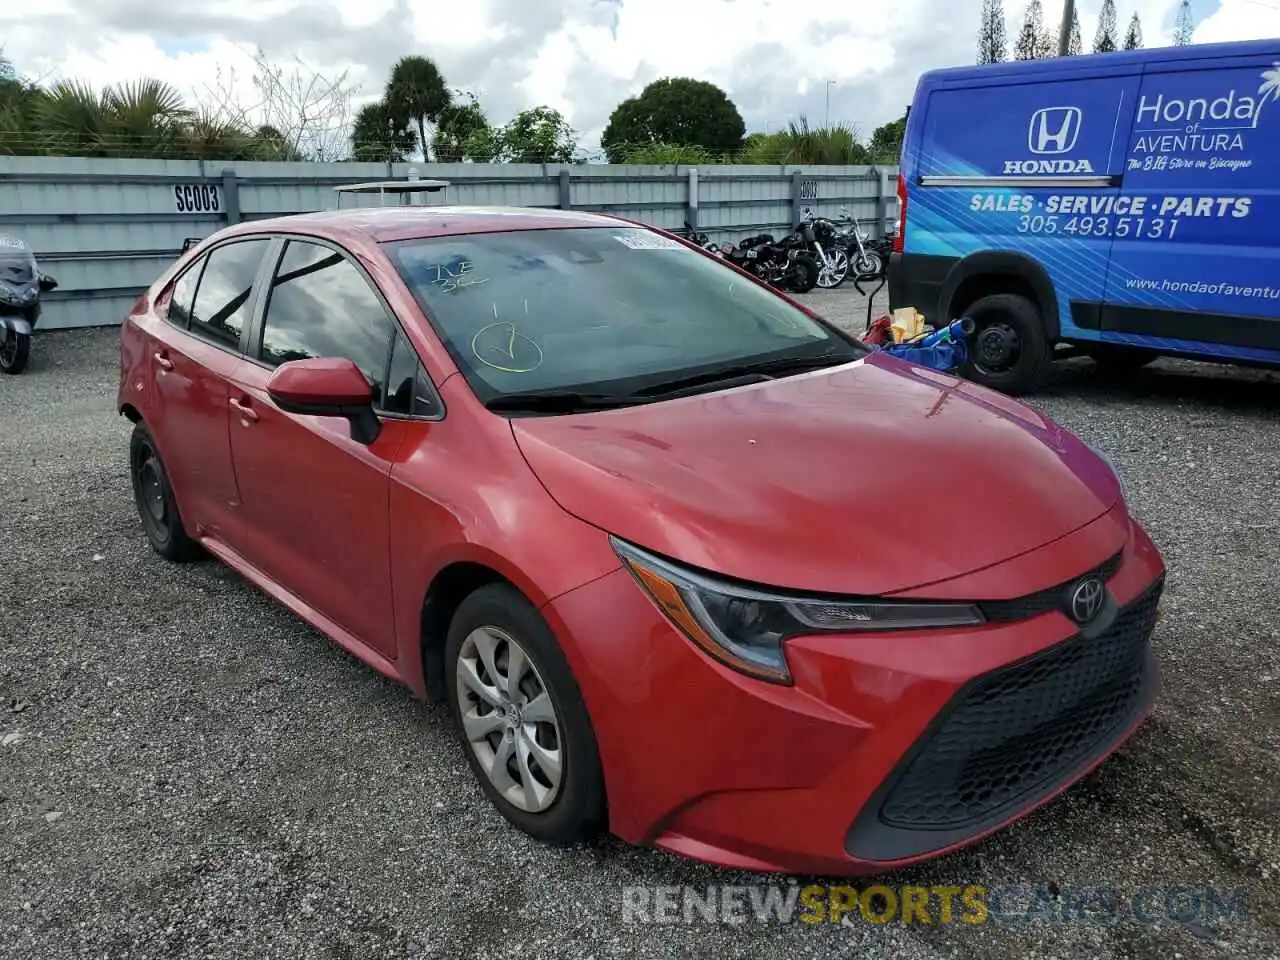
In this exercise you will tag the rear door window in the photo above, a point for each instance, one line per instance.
(223, 298)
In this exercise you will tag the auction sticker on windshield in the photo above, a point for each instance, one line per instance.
(644, 240)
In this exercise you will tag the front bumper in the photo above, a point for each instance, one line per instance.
(880, 753)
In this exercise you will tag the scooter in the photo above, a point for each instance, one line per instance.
(21, 284)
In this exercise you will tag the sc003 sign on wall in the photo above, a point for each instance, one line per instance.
(808, 189)
(197, 198)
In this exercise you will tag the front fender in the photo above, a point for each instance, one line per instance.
(16, 326)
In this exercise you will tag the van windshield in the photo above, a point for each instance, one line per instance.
(603, 310)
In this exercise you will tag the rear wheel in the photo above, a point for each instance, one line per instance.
(15, 350)
(521, 717)
(154, 498)
(804, 274)
(1009, 351)
(1113, 359)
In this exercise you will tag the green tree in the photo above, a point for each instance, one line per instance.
(1133, 37)
(1075, 43)
(416, 93)
(886, 141)
(381, 133)
(536, 135)
(1033, 43)
(675, 110)
(1184, 26)
(993, 36)
(462, 132)
(1105, 40)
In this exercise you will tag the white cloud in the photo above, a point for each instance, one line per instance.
(773, 57)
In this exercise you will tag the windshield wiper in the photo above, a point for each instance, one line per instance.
(560, 401)
(737, 371)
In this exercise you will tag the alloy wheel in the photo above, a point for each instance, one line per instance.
(834, 269)
(509, 719)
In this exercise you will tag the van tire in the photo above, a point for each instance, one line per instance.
(1008, 351)
(1114, 360)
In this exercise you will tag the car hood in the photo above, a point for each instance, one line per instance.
(868, 478)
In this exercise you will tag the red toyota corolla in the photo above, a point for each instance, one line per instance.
(687, 562)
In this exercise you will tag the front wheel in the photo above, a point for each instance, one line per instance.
(869, 264)
(522, 719)
(1009, 351)
(15, 350)
(835, 271)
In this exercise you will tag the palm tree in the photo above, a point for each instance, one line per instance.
(380, 133)
(145, 118)
(71, 119)
(417, 93)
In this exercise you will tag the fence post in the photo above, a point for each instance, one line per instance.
(231, 196)
(566, 190)
(691, 205)
(797, 204)
(884, 193)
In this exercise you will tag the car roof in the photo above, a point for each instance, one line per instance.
(385, 224)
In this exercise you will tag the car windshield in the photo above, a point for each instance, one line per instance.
(606, 310)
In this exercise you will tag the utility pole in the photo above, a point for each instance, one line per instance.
(826, 124)
(1064, 33)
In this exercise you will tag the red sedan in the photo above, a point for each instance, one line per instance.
(688, 563)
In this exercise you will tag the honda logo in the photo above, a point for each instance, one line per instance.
(1054, 129)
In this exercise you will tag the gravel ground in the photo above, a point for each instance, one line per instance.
(189, 771)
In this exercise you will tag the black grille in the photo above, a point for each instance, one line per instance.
(1022, 729)
(1055, 598)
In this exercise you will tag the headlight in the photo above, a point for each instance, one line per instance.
(1124, 492)
(745, 628)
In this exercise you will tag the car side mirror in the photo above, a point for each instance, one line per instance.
(327, 387)
(47, 283)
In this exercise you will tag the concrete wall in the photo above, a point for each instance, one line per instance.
(106, 228)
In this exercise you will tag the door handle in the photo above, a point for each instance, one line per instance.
(162, 361)
(247, 413)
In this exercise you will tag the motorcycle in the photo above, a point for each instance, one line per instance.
(819, 235)
(21, 284)
(786, 267)
(867, 257)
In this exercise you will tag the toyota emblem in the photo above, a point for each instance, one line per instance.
(1086, 599)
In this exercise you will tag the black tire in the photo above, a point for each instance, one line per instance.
(15, 351)
(804, 275)
(1008, 351)
(577, 812)
(1115, 360)
(153, 496)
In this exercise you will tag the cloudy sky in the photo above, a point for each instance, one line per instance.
(774, 57)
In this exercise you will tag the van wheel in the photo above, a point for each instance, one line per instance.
(1113, 359)
(1008, 351)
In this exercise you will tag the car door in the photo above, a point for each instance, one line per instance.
(195, 335)
(1197, 267)
(315, 502)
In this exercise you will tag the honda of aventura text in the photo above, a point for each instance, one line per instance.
(1124, 205)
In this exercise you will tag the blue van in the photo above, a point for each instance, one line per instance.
(1124, 204)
